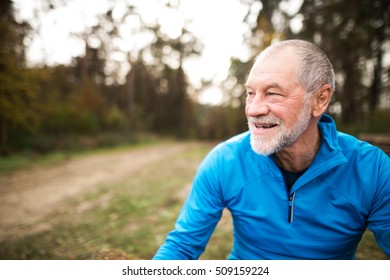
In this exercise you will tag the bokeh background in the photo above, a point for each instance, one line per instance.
(87, 85)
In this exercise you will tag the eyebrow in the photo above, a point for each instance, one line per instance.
(272, 85)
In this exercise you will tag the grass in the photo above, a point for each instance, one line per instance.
(130, 220)
(30, 159)
(13, 163)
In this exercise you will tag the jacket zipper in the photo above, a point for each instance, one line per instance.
(291, 207)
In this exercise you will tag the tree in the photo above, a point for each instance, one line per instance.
(100, 90)
(354, 35)
(159, 83)
(18, 88)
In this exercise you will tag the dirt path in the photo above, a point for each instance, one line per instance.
(28, 196)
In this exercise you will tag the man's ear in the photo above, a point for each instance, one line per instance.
(321, 100)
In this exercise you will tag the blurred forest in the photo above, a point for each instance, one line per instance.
(88, 103)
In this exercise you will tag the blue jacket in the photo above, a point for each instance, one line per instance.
(345, 190)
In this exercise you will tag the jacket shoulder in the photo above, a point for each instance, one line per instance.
(351, 145)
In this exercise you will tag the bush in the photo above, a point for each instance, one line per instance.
(114, 119)
(379, 121)
(68, 119)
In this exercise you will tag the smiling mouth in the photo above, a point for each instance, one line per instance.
(264, 125)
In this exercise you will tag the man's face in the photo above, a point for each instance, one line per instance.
(275, 107)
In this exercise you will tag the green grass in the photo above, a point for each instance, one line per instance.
(29, 160)
(13, 163)
(130, 220)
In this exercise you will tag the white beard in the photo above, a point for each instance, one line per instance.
(284, 137)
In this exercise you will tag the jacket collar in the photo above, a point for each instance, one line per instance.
(329, 155)
(328, 130)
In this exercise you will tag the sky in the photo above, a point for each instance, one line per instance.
(217, 23)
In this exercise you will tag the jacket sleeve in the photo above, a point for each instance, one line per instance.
(198, 217)
(379, 218)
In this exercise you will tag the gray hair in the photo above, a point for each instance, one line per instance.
(314, 68)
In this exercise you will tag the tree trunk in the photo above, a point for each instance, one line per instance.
(348, 114)
(3, 137)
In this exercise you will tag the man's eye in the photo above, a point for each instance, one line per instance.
(272, 93)
(250, 93)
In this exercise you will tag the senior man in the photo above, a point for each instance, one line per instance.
(295, 186)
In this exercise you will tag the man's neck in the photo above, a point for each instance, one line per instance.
(299, 155)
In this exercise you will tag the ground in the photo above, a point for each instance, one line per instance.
(28, 196)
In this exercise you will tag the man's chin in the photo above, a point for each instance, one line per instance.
(257, 145)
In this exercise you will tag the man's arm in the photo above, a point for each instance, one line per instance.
(379, 218)
(198, 217)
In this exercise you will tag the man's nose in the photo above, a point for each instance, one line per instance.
(257, 106)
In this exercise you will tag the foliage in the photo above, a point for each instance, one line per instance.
(354, 34)
(17, 87)
(375, 123)
(114, 119)
(379, 121)
(86, 98)
(218, 122)
(147, 89)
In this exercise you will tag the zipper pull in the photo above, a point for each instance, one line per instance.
(291, 207)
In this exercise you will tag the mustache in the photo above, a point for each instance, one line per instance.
(265, 119)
